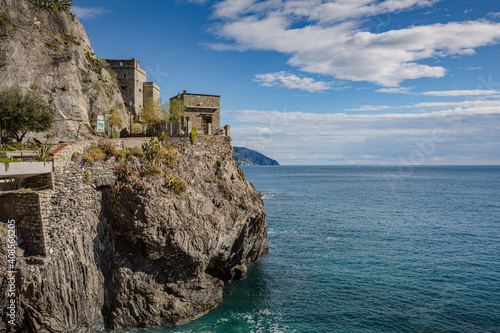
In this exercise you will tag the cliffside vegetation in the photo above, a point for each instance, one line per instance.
(138, 167)
(53, 5)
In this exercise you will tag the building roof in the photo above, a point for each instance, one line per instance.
(201, 107)
(186, 93)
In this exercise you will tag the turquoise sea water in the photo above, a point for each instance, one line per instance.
(370, 249)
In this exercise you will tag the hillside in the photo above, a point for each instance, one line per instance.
(51, 54)
(245, 156)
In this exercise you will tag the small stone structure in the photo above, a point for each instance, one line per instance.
(202, 111)
(135, 89)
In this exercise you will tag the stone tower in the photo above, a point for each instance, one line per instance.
(135, 89)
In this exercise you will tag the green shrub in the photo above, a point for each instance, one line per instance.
(71, 38)
(4, 19)
(154, 152)
(121, 169)
(194, 133)
(136, 181)
(52, 46)
(93, 61)
(163, 136)
(176, 185)
(153, 171)
(170, 159)
(93, 154)
(13, 146)
(121, 154)
(87, 175)
(134, 151)
(108, 147)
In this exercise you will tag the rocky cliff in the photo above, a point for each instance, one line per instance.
(51, 54)
(124, 249)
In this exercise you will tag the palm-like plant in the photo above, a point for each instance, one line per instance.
(44, 153)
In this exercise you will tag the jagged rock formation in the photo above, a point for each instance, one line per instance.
(245, 156)
(51, 53)
(122, 257)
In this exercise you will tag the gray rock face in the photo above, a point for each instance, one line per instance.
(46, 52)
(140, 258)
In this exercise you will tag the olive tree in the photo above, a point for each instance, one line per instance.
(21, 113)
(176, 109)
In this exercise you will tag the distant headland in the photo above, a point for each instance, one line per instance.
(245, 156)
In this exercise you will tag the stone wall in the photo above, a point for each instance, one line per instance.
(43, 181)
(64, 154)
(32, 214)
(7, 205)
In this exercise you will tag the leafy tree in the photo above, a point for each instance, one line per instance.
(114, 121)
(152, 112)
(21, 113)
(176, 109)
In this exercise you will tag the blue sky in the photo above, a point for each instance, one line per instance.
(325, 82)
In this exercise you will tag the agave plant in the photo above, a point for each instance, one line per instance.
(44, 153)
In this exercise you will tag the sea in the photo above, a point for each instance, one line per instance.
(370, 249)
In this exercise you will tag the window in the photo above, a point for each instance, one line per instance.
(121, 63)
(140, 90)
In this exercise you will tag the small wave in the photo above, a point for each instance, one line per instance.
(269, 195)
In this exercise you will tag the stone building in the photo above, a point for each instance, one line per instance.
(202, 111)
(135, 89)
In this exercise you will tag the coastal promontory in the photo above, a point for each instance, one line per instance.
(118, 233)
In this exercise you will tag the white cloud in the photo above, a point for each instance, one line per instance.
(371, 108)
(330, 38)
(456, 93)
(493, 15)
(424, 105)
(291, 81)
(318, 10)
(400, 90)
(454, 136)
(88, 13)
(471, 68)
